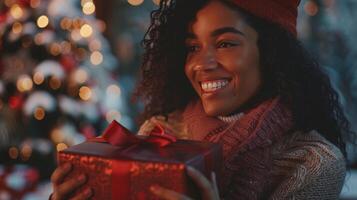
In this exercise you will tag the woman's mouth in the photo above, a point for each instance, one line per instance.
(213, 85)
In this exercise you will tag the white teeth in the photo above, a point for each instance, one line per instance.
(210, 86)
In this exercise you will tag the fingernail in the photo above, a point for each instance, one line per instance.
(81, 178)
(88, 192)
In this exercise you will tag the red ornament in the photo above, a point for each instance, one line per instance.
(68, 63)
(15, 102)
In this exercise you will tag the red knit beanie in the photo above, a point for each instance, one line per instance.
(283, 12)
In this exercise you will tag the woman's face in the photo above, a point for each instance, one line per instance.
(223, 59)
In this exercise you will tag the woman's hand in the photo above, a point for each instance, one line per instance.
(209, 190)
(172, 126)
(62, 190)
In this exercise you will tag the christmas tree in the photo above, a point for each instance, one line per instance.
(57, 87)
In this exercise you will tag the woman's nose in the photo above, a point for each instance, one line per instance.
(205, 61)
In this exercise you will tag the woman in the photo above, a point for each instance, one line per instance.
(233, 72)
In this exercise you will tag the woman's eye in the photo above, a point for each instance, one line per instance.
(226, 44)
(192, 48)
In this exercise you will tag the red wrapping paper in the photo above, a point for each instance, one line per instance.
(121, 167)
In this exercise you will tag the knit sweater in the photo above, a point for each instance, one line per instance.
(264, 158)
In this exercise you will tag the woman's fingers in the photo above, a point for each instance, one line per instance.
(63, 190)
(86, 194)
(59, 174)
(167, 194)
(202, 182)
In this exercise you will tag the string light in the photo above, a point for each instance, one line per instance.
(156, 2)
(16, 11)
(85, 1)
(17, 28)
(55, 49)
(113, 115)
(56, 136)
(135, 2)
(85, 93)
(39, 113)
(24, 83)
(66, 23)
(75, 35)
(96, 58)
(113, 90)
(38, 78)
(80, 76)
(55, 83)
(26, 152)
(42, 21)
(88, 8)
(13, 152)
(86, 31)
(95, 45)
(311, 8)
(61, 146)
(35, 3)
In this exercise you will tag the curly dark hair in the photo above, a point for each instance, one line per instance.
(288, 71)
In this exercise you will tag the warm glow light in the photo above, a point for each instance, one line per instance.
(56, 136)
(113, 90)
(81, 76)
(13, 152)
(75, 35)
(85, 1)
(39, 39)
(35, 3)
(86, 30)
(96, 58)
(39, 113)
(85, 93)
(135, 2)
(88, 8)
(26, 152)
(55, 83)
(311, 8)
(55, 49)
(66, 23)
(17, 28)
(8, 3)
(38, 78)
(61, 146)
(24, 83)
(16, 11)
(95, 45)
(156, 2)
(42, 21)
(66, 47)
(113, 115)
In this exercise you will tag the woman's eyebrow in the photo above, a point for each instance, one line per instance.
(218, 32)
(227, 29)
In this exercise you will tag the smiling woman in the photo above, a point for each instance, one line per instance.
(233, 72)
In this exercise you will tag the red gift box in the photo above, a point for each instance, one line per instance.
(120, 165)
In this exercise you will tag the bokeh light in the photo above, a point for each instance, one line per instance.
(113, 115)
(35, 3)
(39, 113)
(96, 58)
(17, 28)
(311, 8)
(113, 90)
(80, 76)
(42, 21)
(24, 83)
(55, 83)
(16, 11)
(38, 78)
(86, 31)
(135, 2)
(85, 93)
(61, 146)
(13, 152)
(88, 8)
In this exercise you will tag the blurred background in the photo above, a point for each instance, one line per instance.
(69, 67)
